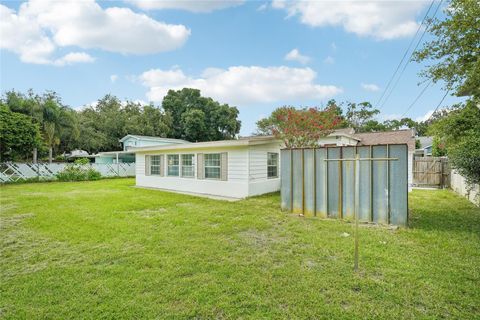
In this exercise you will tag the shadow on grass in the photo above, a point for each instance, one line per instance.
(443, 210)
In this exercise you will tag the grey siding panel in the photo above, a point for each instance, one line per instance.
(200, 166)
(147, 165)
(224, 166)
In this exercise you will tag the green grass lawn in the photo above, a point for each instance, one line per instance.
(105, 249)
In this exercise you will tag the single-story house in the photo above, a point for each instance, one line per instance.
(132, 141)
(237, 168)
(228, 168)
(425, 149)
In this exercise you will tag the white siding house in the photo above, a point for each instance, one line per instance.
(230, 168)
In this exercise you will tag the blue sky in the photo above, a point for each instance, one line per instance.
(236, 52)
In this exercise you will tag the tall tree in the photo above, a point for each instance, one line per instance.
(455, 48)
(358, 114)
(219, 121)
(300, 127)
(18, 135)
(457, 134)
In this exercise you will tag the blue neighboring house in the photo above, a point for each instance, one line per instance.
(129, 142)
(425, 149)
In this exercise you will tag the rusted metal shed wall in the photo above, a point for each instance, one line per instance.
(315, 187)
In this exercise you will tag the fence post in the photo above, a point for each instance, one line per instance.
(118, 168)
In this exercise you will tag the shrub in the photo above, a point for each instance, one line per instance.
(79, 171)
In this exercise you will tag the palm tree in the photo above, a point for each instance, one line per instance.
(51, 138)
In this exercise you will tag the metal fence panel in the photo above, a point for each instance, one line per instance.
(297, 181)
(321, 179)
(365, 198)
(309, 181)
(398, 185)
(380, 185)
(286, 179)
(313, 186)
(348, 187)
(14, 172)
(333, 184)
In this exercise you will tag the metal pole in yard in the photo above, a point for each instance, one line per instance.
(356, 170)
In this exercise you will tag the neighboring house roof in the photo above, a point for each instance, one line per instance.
(425, 142)
(245, 141)
(347, 132)
(113, 153)
(388, 137)
(150, 138)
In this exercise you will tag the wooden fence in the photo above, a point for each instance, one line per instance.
(431, 172)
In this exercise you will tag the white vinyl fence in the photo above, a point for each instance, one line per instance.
(13, 172)
(459, 185)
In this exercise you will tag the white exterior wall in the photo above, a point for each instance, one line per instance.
(259, 183)
(247, 173)
(236, 185)
(459, 185)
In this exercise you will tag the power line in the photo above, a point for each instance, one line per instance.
(416, 99)
(406, 52)
(409, 59)
(438, 105)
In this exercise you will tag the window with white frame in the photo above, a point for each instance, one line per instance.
(173, 165)
(155, 165)
(187, 166)
(272, 165)
(212, 166)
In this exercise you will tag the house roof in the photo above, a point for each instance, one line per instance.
(151, 138)
(245, 141)
(388, 137)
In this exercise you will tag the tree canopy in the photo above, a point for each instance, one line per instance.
(197, 118)
(359, 116)
(455, 48)
(185, 114)
(19, 135)
(300, 127)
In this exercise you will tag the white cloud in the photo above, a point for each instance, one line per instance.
(242, 85)
(329, 60)
(40, 27)
(380, 19)
(370, 87)
(198, 6)
(295, 55)
(74, 57)
(113, 78)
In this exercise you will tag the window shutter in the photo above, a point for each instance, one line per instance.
(162, 165)
(200, 166)
(147, 165)
(224, 166)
